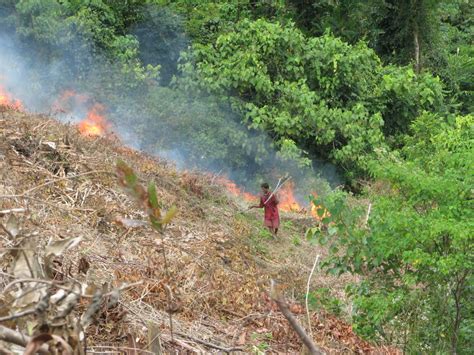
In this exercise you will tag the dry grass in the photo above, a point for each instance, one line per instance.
(66, 184)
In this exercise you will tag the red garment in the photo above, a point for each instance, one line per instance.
(272, 217)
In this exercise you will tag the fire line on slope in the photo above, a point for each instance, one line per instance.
(95, 124)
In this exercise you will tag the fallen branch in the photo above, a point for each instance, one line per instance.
(210, 345)
(58, 285)
(51, 204)
(47, 282)
(18, 315)
(183, 344)
(307, 341)
(11, 336)
(36, 342)
(12, 210)
(307, 295)
(64, 178)
(40, 307)
(92, 349)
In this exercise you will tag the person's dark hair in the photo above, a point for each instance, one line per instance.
(265, 185)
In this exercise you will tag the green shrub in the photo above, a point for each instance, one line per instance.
(415, 254)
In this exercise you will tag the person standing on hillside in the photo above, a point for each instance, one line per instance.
(269, 203)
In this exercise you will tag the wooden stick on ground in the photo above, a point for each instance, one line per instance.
(11, 336)
(12, 210)
(307, 341)
(210, 345)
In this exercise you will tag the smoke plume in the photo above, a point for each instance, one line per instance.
(70, 78)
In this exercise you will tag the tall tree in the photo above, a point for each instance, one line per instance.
(410, 27)
(400, 30)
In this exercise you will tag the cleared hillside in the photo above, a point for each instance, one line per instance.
(60, 184)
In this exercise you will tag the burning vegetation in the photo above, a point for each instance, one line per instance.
(8, 101)
(286, 196)
(95, 124)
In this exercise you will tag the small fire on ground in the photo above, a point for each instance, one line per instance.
(236, 191)
(95, 123)
(286, 196)
(8, 101)
(287, 199)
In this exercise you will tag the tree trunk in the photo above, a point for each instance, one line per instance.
(457, 293)
(416, 43)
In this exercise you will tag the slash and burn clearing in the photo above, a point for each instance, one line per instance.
(105, 276)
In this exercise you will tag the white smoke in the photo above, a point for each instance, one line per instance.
(39, 82)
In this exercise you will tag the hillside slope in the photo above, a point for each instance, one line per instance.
(218, 258)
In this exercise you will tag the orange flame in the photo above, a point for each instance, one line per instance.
(286, 196)
(323, 213)
(236, 191)
(287, 199)
(8, 101)
(95, 124)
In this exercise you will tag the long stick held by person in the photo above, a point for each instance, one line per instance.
(269, 202)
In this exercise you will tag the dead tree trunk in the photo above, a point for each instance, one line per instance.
(416, 43)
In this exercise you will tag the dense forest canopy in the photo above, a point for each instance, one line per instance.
(381, 89)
